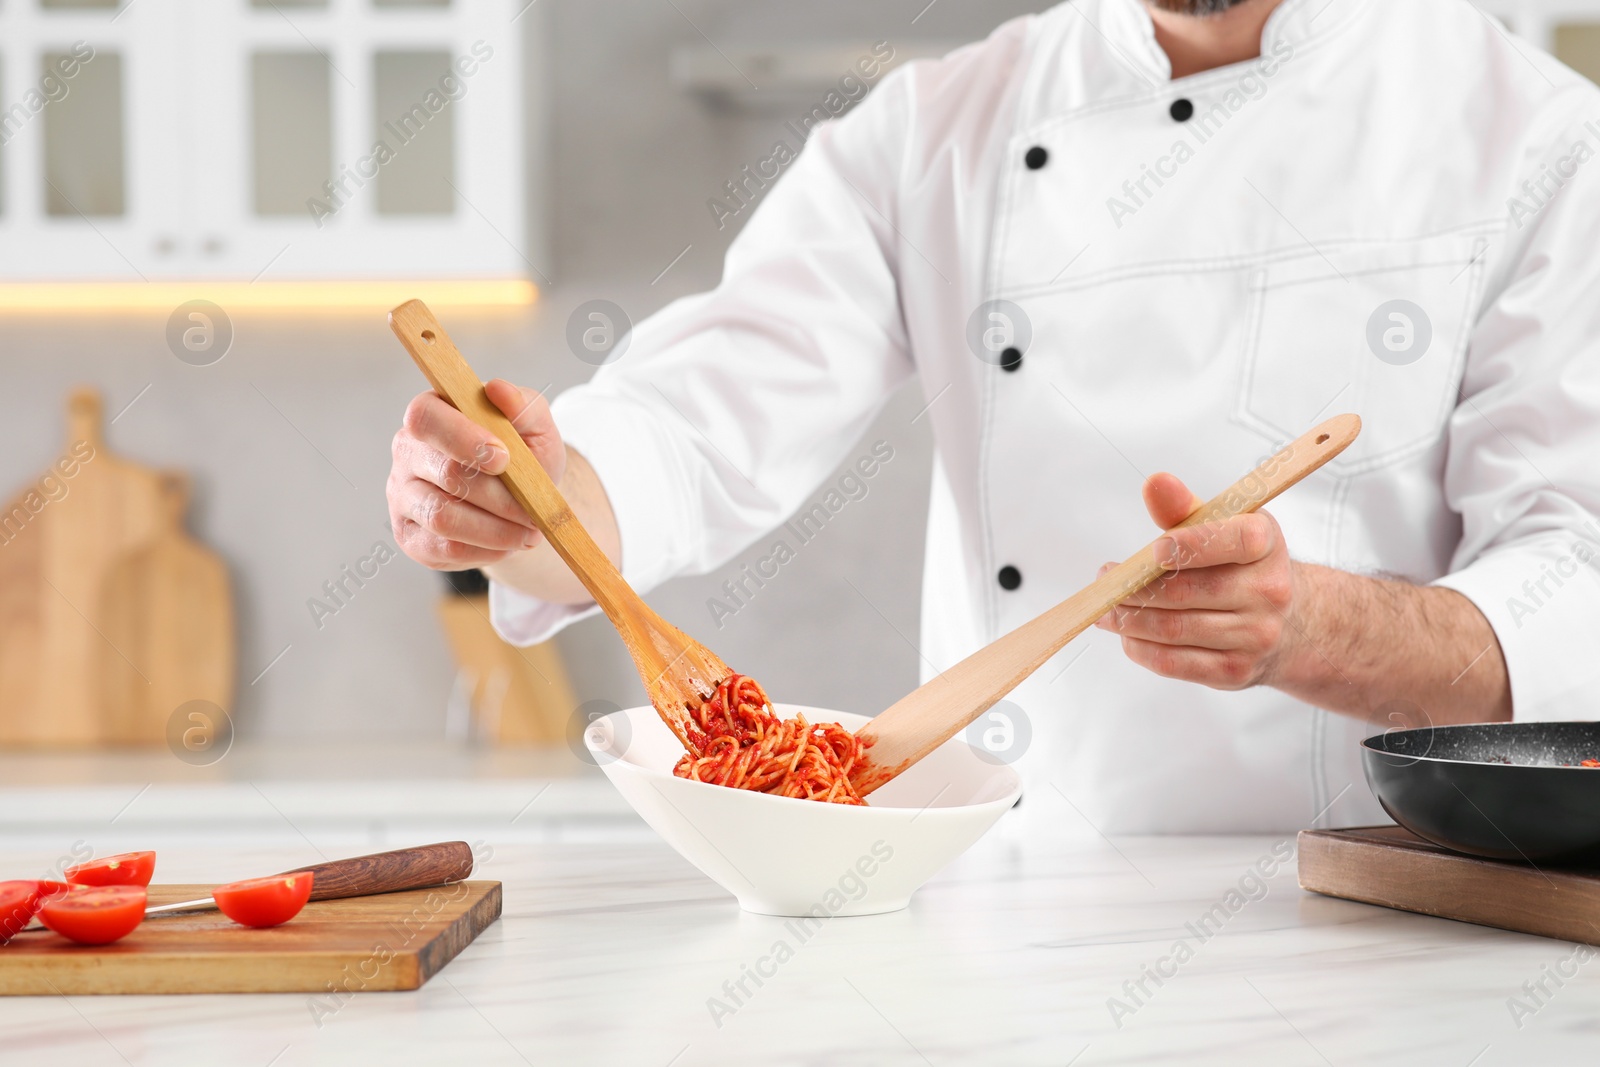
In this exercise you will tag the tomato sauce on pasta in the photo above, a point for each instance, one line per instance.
(735, 739)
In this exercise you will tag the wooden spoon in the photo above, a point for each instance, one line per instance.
(922, 721)
(679, 674)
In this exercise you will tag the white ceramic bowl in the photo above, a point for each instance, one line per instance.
(781, 856)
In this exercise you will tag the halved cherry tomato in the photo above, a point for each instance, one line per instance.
(130, 868)
(95, 915)
(19, 902)
(264, 901)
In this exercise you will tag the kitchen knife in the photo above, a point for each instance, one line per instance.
(382, 872)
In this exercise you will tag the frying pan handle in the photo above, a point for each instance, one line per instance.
(389, 872)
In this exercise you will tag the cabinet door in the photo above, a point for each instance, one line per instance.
(81, 147)
(371, 138)
(247, 139)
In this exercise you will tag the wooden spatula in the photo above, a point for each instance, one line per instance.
(678, 673)
(922, 721)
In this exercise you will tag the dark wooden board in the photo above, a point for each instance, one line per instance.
(1393, 868)
(361, 944)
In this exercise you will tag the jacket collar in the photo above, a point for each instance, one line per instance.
(1125, 29)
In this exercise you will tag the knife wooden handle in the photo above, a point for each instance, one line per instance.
(389, 872)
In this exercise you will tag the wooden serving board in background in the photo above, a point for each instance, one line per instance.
(110, 618)
(389, 942)
(166, 614)
(51, 565)
(1392, 867)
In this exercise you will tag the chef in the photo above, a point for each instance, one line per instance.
(1114, 239)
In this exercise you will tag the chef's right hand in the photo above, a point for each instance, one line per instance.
(447, 508)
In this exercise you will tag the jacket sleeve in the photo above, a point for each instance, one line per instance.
(1523, 469)
(728, 408)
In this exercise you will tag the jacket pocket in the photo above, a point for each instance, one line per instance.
(1378, 329)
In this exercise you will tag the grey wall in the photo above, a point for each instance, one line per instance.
(635, 162)
(288, 436)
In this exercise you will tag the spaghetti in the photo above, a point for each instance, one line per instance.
(734, 739)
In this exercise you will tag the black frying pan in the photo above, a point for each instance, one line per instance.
(1508, 791)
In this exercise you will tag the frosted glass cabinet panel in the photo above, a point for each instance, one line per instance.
(1578, 46)
(291, 120)
(246, 139)
(83, 137)
(408, 86)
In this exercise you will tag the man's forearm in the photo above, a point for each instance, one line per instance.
(539, 571)
(1357, 643)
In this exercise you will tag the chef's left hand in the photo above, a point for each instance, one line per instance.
(1224, 617)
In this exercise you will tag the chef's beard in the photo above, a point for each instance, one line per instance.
(1196, 7)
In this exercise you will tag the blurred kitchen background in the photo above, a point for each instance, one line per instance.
(546, 154)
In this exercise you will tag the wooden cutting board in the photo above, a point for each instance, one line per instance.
(167, 616)
(359, 945)
(58, 538)
(1393, 868)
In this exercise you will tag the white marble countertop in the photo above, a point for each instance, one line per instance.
(611, 953)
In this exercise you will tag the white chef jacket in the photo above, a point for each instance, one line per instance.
(1197, 292)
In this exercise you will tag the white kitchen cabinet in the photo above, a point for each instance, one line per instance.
(1541, 21)
(246, 139)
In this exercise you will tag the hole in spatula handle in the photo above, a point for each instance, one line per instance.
(428, 336)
